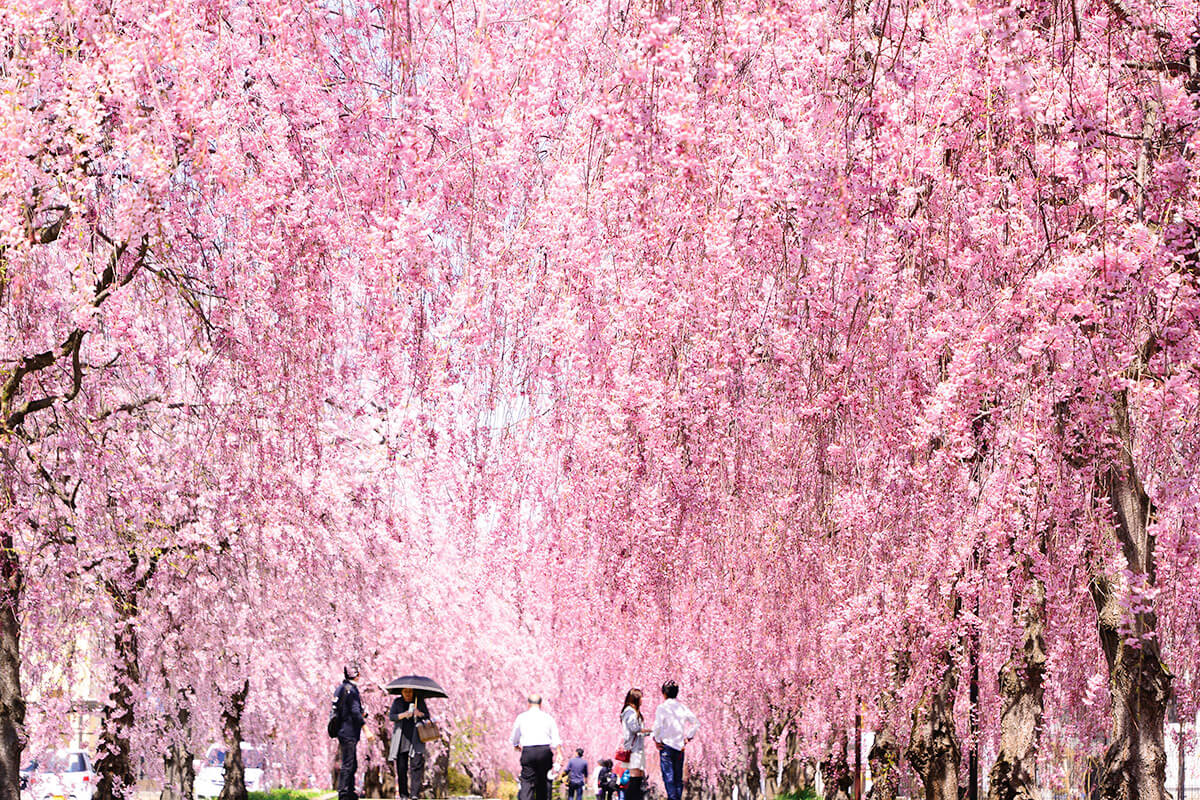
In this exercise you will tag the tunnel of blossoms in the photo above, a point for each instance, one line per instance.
(839, 359)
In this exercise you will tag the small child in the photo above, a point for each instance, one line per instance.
(606, 781)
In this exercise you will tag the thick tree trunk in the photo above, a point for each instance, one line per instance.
(12, 699)
(1014, 775)
(770, 761)
(794, 774)
(835, 770)
(884, 760)
(442, 767)
(373, 771)
(1134, 766)
(231, 725)
(933, 750)
(753, 773)
(115, 765)
(387, 778)
(335, 765)
(179, 773)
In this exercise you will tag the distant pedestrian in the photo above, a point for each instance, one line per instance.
(634, 731)
(347, 708)
(674, 726)
(577, 775)
(535, 736)
(407, 750)
(606, 780)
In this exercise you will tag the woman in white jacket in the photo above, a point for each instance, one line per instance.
(633, 732)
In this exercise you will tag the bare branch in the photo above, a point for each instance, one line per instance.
(128, 408)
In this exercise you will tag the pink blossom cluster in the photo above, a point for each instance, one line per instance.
(784, 349)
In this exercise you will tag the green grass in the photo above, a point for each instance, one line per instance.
(803, 794)
(458, 782)
(287, 794)
(508, 786)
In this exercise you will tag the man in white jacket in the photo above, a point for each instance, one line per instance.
(674, 726)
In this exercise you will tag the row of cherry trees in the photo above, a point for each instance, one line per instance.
(850, 351)
(179, 524)
(837, 359)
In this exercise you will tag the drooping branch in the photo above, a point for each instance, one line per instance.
(71, 348)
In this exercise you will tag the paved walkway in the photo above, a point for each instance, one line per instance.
(144, 794)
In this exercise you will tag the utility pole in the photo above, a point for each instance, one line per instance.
(973, 656)
(858, 756)
(973, 753)
(1182, 763)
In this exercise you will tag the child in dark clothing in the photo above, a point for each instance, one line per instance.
(606, 781)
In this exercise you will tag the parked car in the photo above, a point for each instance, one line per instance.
(210, 778)
(61, 775)
(26, 772)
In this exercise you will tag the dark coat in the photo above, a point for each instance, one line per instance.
(405, 729)
(349, 711)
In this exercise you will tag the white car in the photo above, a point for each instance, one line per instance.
(62, 775)
(210, 778)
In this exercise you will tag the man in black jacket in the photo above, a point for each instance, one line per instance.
(348, 706)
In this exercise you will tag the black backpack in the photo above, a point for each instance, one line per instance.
(335, 714)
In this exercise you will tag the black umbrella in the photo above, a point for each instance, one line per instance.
(425, 687)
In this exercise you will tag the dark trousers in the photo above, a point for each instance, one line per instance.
(574, 791)
(670, 761)
(536, 762)
(349, 748)
(410, 774)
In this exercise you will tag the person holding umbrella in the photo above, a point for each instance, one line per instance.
(407, 750)
(408, 712)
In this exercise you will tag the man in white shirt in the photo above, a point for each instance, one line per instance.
(674, 726)
(535, 736)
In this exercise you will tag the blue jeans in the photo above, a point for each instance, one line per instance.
(670, 762)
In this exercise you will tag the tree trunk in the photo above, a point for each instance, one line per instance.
(933, 751)
(835, 770)
(373, 771)
(1014, 775)
(794, 778)
(12, 699)
(115, 765)
(231, 725)
(335, 765)
(479, 782)
(387, 777)
(770, 761)
(1134, 766)
(179, 773)
(443, 767)
(884, 760)
(753, 774)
